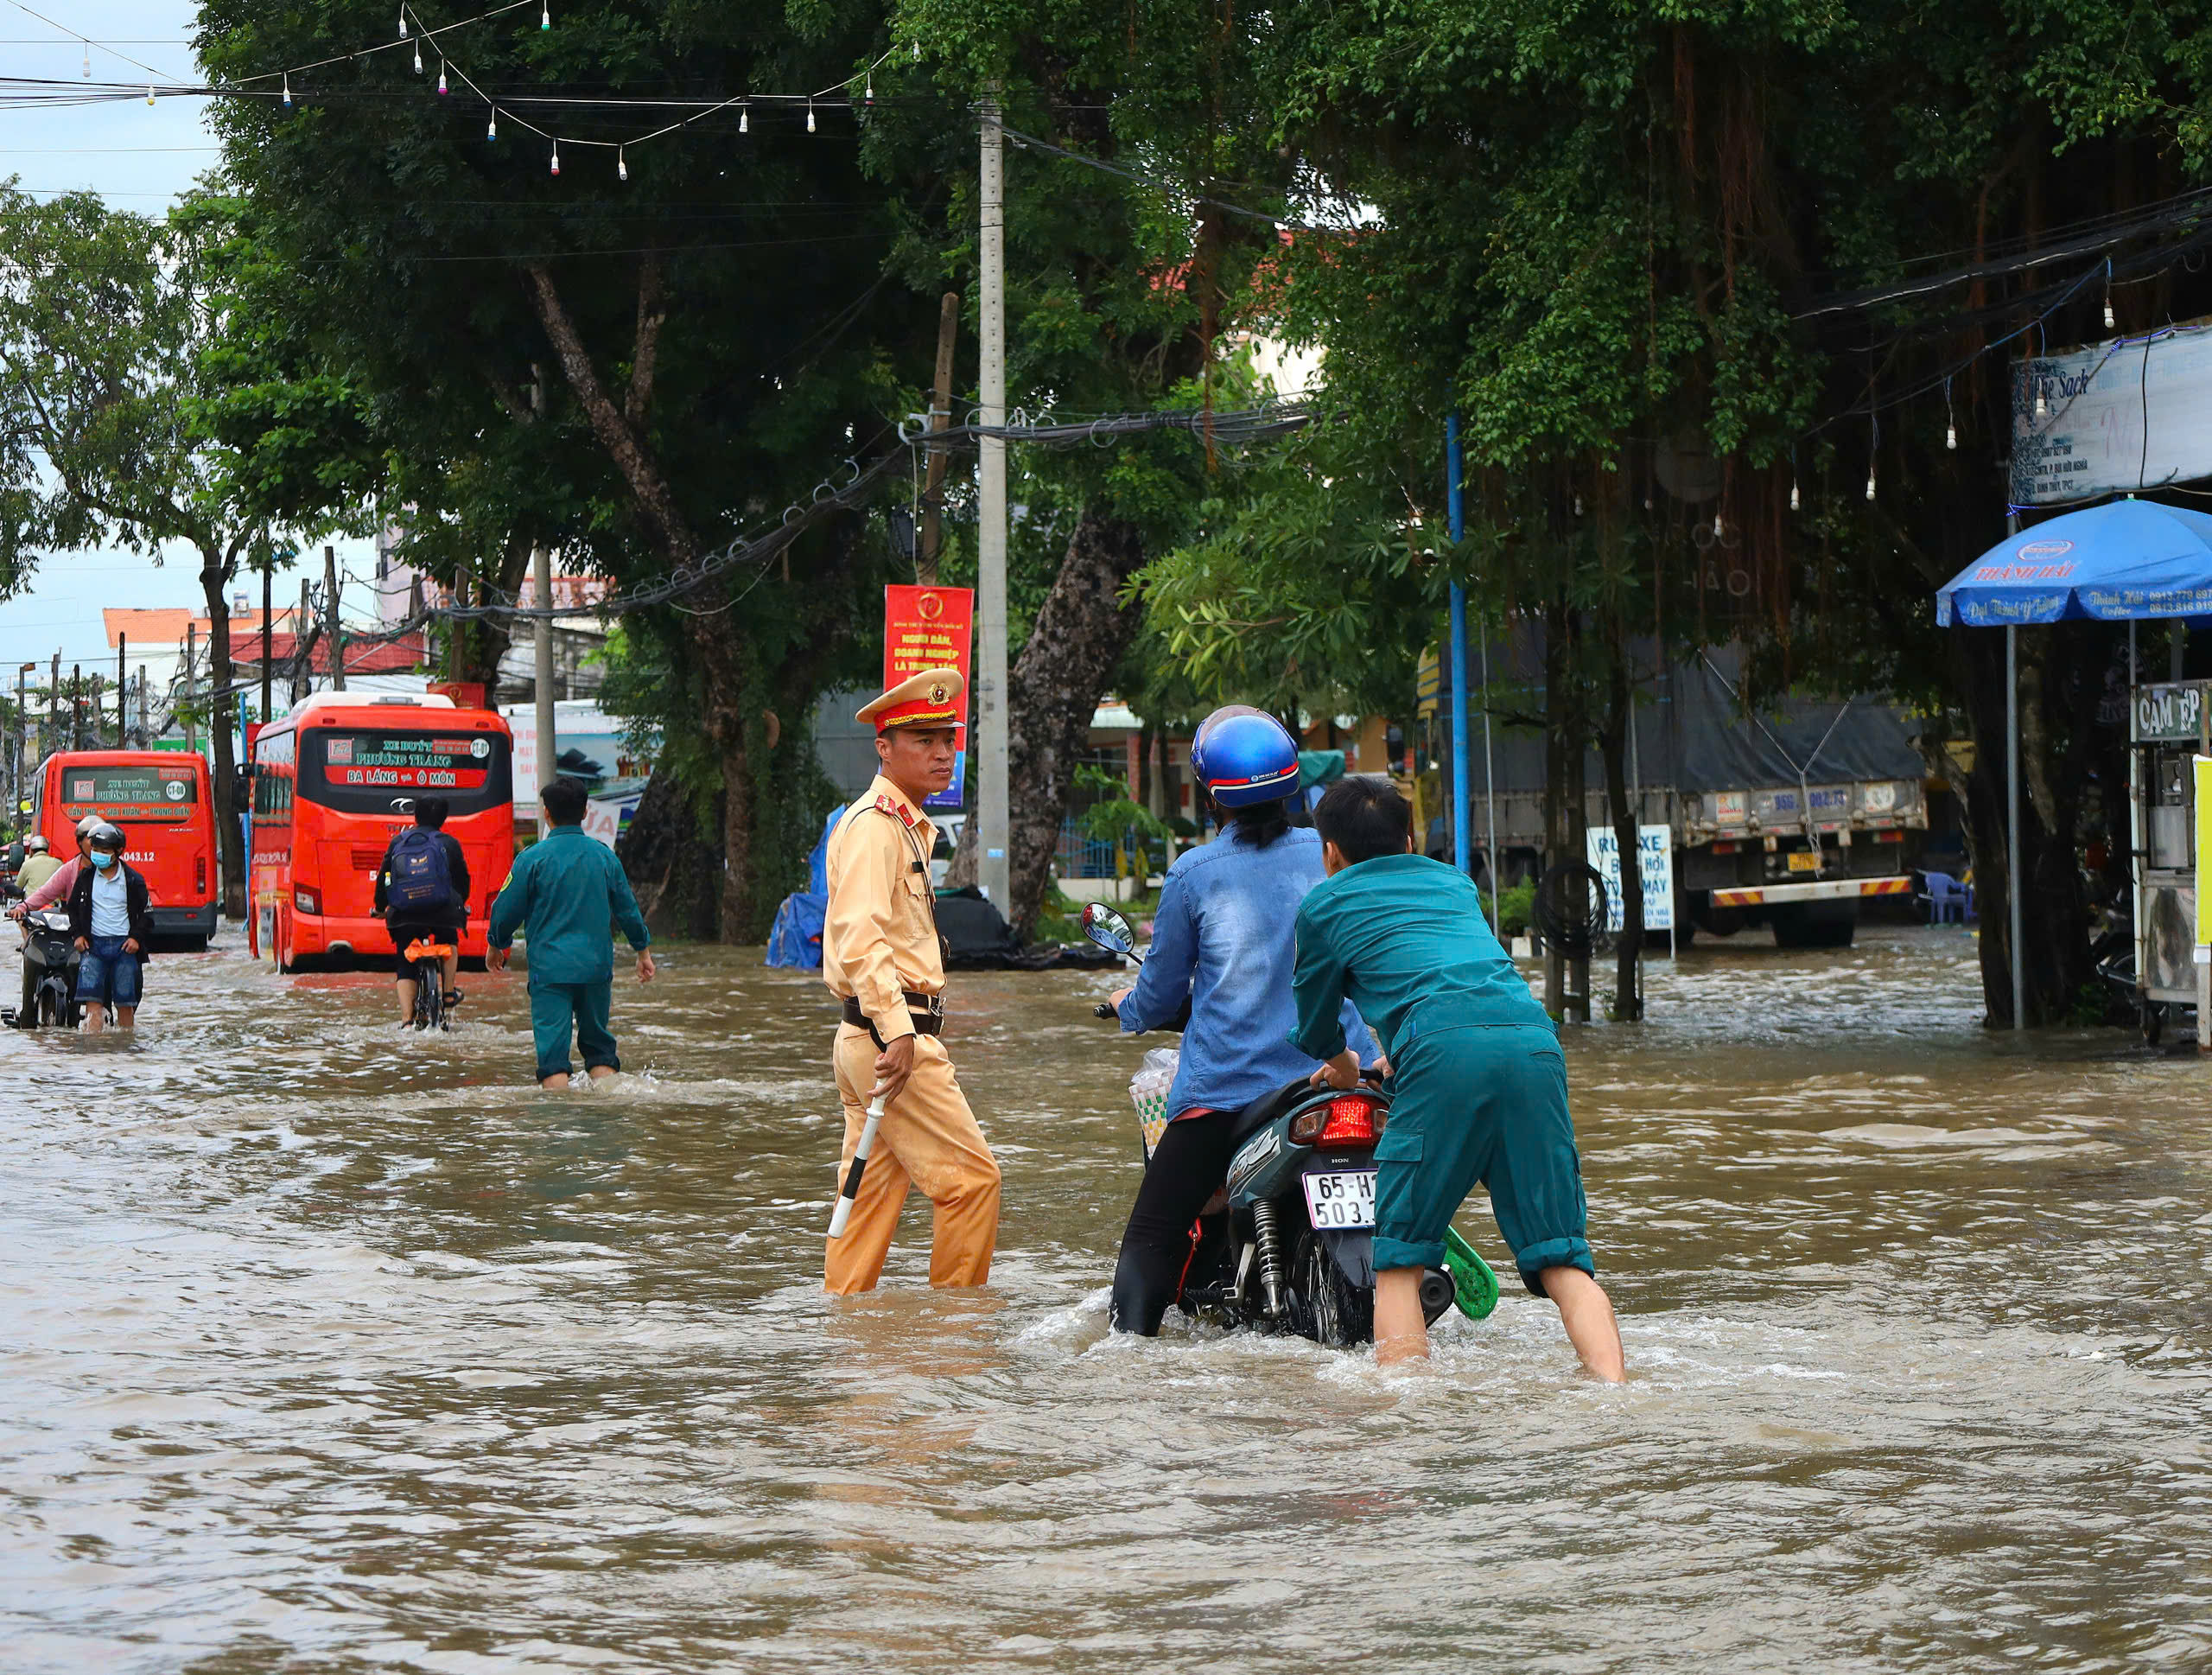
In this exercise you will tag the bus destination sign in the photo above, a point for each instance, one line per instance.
(407, 761)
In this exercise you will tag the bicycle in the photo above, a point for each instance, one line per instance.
(426, 961)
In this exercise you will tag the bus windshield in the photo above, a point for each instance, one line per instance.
(360, 771)
(129, 793)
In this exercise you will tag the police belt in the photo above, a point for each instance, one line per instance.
(927, 1011)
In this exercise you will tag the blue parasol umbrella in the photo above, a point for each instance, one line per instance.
(2127, 561)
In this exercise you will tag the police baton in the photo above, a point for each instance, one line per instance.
(844, 1213)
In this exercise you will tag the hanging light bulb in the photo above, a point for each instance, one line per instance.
(621, 166)
(88, 58)
(2042, 407)
(403, 22)
(545, 14)
(442, 77)
(1951, 436)
(867, 96)
(810, 116)
(418, 58)
(1647, 499)
(491, 128)
(288, 90)
(150, 96)
(1793, 501)
(744, 118)
(918, 49)
(1719, 527)
(556, 157)
(1870, 479)
(1577, 505)
(2110, 322)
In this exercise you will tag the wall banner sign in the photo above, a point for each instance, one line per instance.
(932, 628)
(2131, 413)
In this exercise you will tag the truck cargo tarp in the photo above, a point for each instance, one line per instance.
(1723, 749)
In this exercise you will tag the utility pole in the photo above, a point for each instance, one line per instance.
(337, 634)
(145, 712)
(53, 706)
(991, 799)
(23, 733)
(541, 576)
(302, 642)
(122, 691)
(948, 333)
(268, 577)
(191, 656)
(76, 706)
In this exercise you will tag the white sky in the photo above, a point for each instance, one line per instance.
(136, 159)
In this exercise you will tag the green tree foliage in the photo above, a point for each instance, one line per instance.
(631, 371)
(135, 410)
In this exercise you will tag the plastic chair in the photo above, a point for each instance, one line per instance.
(1948, 901)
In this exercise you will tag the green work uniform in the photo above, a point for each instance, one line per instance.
(567, 889)
(1479, 1088)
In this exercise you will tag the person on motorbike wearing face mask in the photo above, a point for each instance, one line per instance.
(1223, 948)
(108, 916)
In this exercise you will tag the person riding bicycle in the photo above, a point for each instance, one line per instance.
(40, 864)
(1222, 948)
(110, 920)
(422, 891)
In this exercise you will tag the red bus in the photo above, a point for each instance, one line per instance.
(163, 801)
(326, 780)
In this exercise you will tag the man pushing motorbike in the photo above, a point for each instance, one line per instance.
(1478, 1084)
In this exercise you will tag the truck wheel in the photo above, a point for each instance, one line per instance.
(1717, 921)
(1813, 924)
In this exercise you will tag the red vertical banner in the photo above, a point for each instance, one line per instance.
(932, 628)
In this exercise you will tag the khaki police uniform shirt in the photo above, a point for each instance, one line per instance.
(879, 934)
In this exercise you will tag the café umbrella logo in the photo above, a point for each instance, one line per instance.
(2036, 550)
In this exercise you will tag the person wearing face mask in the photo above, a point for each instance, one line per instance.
(108, 916)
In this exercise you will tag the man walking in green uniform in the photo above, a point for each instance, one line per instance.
(567, 889)
(1479, 1083)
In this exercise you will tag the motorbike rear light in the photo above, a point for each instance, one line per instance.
(306, 900)
(1353, 1121)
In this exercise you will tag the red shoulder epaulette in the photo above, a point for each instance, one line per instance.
(884, 804)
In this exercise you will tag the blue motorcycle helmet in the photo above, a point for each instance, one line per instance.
(1245, 756)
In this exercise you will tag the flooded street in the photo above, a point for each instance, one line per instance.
(326, 1348)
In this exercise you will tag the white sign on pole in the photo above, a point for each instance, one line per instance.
(1655, 856)
(2130, 413)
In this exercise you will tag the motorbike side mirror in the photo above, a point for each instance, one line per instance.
(1108, 928)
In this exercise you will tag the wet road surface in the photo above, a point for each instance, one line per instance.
(323, 1348)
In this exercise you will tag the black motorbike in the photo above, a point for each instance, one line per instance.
(51, 957)
(1289, 1244)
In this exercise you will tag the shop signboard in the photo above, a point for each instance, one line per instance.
(1656, 859)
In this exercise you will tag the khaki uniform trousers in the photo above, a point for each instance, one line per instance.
(928, 1138)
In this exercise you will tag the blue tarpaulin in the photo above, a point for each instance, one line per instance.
(795, 940)
(2126, 560)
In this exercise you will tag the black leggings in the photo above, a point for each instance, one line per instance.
(1187, 1168)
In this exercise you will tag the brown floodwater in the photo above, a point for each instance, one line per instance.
(323, 1348)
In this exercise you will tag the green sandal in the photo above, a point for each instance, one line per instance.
(1474, 1284)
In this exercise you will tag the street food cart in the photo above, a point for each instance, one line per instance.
(2169, 728)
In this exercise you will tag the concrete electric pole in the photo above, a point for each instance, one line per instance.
(991, 799)
(330, 615)
(541, 574)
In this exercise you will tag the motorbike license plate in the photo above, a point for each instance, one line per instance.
(1341, 1200)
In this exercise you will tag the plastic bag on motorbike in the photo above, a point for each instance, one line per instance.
(1148, 1093)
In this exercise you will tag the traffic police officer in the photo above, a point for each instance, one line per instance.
(882, 958)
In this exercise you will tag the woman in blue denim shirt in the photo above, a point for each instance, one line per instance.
(1223, 948)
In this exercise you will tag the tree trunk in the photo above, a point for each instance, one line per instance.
(677, 876)
(1557, 725)
(2054, 921)
(1081, 632)
(482, 644)
(229, 858)
(1612, 739)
